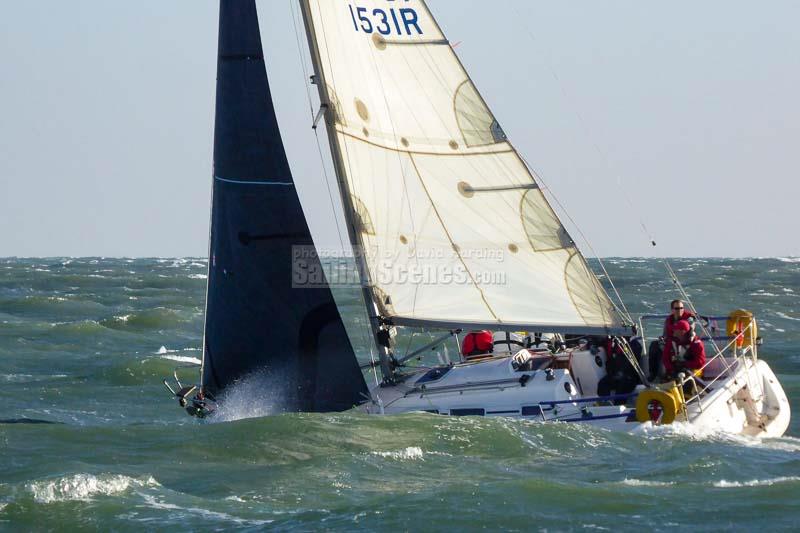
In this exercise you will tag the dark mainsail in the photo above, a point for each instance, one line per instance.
(255, 320)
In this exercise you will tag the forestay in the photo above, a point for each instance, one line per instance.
(454, 227)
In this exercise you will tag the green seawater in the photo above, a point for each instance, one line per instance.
(84, 344)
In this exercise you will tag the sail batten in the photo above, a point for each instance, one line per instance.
(459, 231)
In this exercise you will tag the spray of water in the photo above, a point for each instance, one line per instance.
(262, 393)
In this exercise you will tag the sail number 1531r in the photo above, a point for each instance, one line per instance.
(385, 21)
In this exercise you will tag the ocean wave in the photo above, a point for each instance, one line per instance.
(29, 378)
(724, 484)
(411, 453)
(787, 317)
(154, 503)
(84, 487)
(680, 429)
(156, 318)
(644, 483)
(80, 327)
(182, 359)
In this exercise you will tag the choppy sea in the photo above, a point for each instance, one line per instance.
(85, 342)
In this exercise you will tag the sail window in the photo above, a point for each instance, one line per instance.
(586, 292)
(475, 121)
(363, 220)
(543, 229)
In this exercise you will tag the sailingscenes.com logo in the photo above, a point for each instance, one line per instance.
(312, 267)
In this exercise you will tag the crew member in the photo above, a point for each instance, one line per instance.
(678, 312)
(621, 377)
(657, 348)
(684, 351)
(477, 345)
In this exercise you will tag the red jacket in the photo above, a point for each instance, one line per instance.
(694, 356)
(670, 322)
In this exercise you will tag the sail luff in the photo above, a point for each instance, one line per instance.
(368, 297)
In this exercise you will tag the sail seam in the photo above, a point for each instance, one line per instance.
(247, 182)
(419, 152)
(402, 169)
(450, 238)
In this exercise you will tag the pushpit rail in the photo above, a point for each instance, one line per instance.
(181, 391)
(747, 337)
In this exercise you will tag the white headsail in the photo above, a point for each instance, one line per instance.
(454, 227)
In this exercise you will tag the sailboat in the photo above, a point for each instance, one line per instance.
(451, 232)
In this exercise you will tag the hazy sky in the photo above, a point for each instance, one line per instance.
(691, 107)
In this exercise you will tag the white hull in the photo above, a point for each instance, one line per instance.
(746, 399)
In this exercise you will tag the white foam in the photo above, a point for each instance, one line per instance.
(645, 483)
(198, 276)
(182, 359)
(412, 453)
(28, 378)
(680, 429)
(724, 484)
(787, 317)
(784, 444)
(205, 513)
(788, 259)
(83, 487)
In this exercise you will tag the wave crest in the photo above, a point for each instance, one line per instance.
(84, 487)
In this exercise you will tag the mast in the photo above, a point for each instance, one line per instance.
(379, 334)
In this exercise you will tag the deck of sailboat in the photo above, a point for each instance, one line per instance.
(419, 160)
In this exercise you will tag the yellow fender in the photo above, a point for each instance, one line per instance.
(659, 406)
